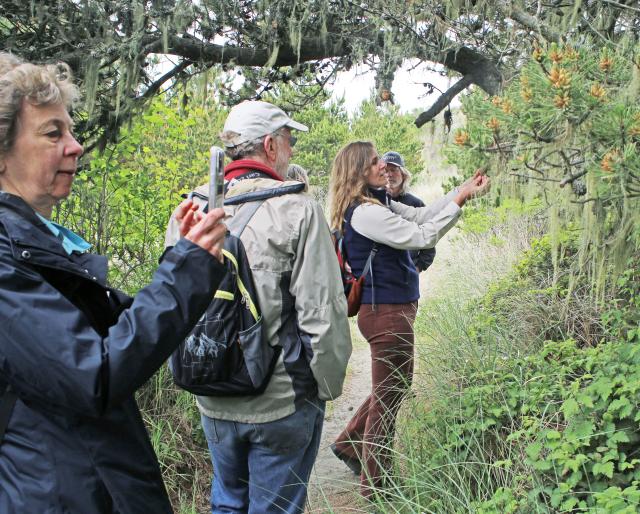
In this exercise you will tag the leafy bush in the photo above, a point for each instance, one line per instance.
(555, 429)
(123, 198)
(570, 415)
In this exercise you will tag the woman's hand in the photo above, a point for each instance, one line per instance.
(475, 186)
(205, 230)
(478, 173)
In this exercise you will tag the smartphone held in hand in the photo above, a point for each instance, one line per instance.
(216, 178)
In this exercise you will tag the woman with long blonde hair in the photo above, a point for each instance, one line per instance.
(383, 232)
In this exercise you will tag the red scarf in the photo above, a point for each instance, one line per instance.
(240, 167)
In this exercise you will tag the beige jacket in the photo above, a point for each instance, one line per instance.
(303, 305)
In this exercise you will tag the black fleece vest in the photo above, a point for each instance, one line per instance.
(394, 277)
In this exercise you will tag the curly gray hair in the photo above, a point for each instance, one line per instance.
(20, 81)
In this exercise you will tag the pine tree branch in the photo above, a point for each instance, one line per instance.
(443, 100)
(526, 20)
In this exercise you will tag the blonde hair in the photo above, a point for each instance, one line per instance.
(37, 84)
(348, 183)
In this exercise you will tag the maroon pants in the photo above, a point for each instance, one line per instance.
(369, 435)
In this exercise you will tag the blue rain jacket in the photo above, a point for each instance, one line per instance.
(75, 351)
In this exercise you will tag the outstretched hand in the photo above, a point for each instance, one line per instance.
(479, 186)
(205, 230)
(476, 185)
(480, 172)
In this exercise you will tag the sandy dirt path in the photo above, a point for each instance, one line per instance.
(333, 487)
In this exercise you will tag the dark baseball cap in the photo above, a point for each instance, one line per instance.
(393, 158)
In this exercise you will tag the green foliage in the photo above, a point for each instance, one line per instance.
(566, 133)
(389, 130)
(123, 199)
(622, 318)
(556, 431)
(573, 415)
(330, 129)
(552, 430)
(481, 217)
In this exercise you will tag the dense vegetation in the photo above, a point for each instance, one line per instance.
(529, 397)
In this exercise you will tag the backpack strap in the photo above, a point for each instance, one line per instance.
(8, 399)
(252, 196)
(264, 194)
(241, 218)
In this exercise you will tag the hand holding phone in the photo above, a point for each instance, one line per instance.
(216, 178)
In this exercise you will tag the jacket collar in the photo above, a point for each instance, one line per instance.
(19, 219)
(31, 241)
(380, 195)
(236, 168)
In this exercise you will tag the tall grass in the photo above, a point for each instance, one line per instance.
(173, 423)
(448, 350)
(446, 326)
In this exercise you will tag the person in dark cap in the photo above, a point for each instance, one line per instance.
(398, 180)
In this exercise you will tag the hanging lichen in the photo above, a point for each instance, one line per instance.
(91, 78)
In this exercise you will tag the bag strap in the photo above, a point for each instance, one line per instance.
(252, 196)
(8, 399)
(372, 253)
(237, 224)
(367, 265)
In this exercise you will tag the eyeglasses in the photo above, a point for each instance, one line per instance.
(292, 139)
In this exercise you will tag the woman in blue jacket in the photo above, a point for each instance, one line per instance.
(390, 294)
(72, 350)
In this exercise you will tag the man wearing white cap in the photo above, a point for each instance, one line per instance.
(263, 447)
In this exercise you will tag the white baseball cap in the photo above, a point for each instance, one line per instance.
(252, 119)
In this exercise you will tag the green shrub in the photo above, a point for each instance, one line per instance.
(509, 420)
(555, 431)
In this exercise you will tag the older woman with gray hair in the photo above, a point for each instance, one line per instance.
(73, 350)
